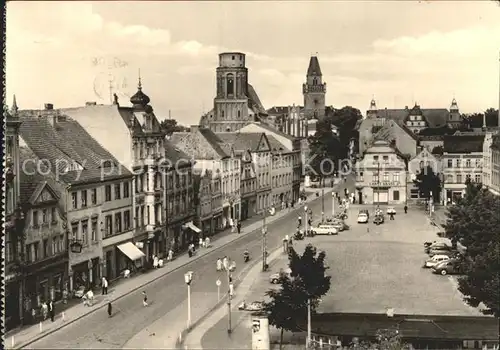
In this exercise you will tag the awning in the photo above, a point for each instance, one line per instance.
(131, 251)
(192, 227)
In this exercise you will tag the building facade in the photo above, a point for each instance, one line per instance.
(236, 103)
(314, 91)
(209, 152)
(495, 165)
(487, 159)
(203, 202)
(381, 176)
(15, 218)
(248, 185)
(462, 161)
(418, 164)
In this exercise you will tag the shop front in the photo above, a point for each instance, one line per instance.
(12, 306)
(192, 232)
(217, 222)
(85, 275)
(128, 256)
(206, 226)
(453, 193)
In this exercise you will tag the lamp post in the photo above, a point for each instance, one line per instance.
(229, 266)
(333, 204)
(264, 242)
(305, 221)
(308, 341)
(323, 201)
(188, 277)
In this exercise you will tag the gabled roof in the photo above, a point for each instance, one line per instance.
(269, 128)
(314, 68)
(200, 143)
(435, 117)
(254, 101)
(463, 143)
(243, 141)
(175, 155)
(66, 143)
(276, 146)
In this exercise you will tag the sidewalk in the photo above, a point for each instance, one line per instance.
(19, 338)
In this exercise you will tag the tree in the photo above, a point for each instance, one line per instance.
(287, 309)
(475, 223)
(326, 149)
(428, 182)
(345, 119)
(475, 120)
(170, 126)
(386, 339)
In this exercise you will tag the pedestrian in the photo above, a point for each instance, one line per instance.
(207, 242)
(190, 251)
(156, 262)
(110, 309)
(225, 262)
(170, 254)
(104, 286)
(238, 226)
(391, 215)
(200, 242)
(90, 297)
(406, 209)
(219, 264)
(52, 312)
(45, 310)
(144, 299)
(300, 221)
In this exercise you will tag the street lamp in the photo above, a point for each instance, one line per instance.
(305, 221)
(229, 266)
(323, 201)
(188, 277)
(264, 242)
(333, 204)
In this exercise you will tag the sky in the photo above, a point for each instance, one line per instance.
(400, 53)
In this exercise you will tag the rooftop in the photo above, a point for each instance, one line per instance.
(463, 143)
(314, 68)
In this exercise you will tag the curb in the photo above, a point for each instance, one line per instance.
(23, 345)
(182, 336)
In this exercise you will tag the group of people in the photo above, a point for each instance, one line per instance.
(222, 263)
(47, 310)
(205, 243)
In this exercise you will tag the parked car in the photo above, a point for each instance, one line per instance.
(449, 252)
(364, 211)
(436, 259)
(436, 245)
(253, 306)
(362, 218)
(391, 210)
(451, 266)
(338, 223)
(325, 229)
(379, 219)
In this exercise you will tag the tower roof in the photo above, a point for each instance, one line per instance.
(140, 98)
(314, 68)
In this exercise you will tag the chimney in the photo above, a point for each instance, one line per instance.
(49, 106)
(90, 103)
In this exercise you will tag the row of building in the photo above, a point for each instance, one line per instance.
(392, 152)
(94, 190)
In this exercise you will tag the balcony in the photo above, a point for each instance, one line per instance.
(384, 183)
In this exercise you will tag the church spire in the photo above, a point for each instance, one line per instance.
(314, 68)
(14, 108)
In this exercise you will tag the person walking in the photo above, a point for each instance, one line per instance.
(238, 226)
(200, 242)
(52, 312)
(219, 264)
(170, 255)
(110, 309)
(104, 286)
(144, 299)
(406, 209)
(207, 242)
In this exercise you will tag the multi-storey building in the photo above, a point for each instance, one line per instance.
(138, 143)
(209, 152)
(314, 91)
(487, 159)
(203, 201)
(298, 148)
(420, 163)
(282, 173)
(14, 223)
(82, 171)
(248, 185)
(236, 103)
(495, 165)
(259, 147)
(45, 267)
(462, 161)
(381, 175)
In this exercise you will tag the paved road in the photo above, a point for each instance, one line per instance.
(165, 294)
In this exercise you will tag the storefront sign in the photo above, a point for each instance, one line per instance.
(76, 247)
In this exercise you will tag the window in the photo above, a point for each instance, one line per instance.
(126, 190)
(478, 163)
(459, 163)
(117, 191)
(45, 218)
(55, 245)
(74, 230)
(395, 195)
(85, 232)
(375, 158)
(449, 178)
(93, 196)
(467, 177)
(467, 163)
(126, 220)
(107, 197)
(385, 158)
(74, 200)
(421, 165)
(375, 177)
(386, 177)
(53, 215)
(459, 178)
(84, 198)
(118, 222)
(450, 163)
(109, 225)
(61, 243)
(239, 114)
(395, 177)
(46, 248)
(29, 253)
(93, 230)
(36, 251)
(230, 84)
(414, 193)
(477, 178)
(35, 218)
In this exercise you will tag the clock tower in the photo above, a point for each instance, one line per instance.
(314, 91)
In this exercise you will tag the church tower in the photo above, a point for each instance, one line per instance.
(231, 110)
(454, 119)
(314, 91)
